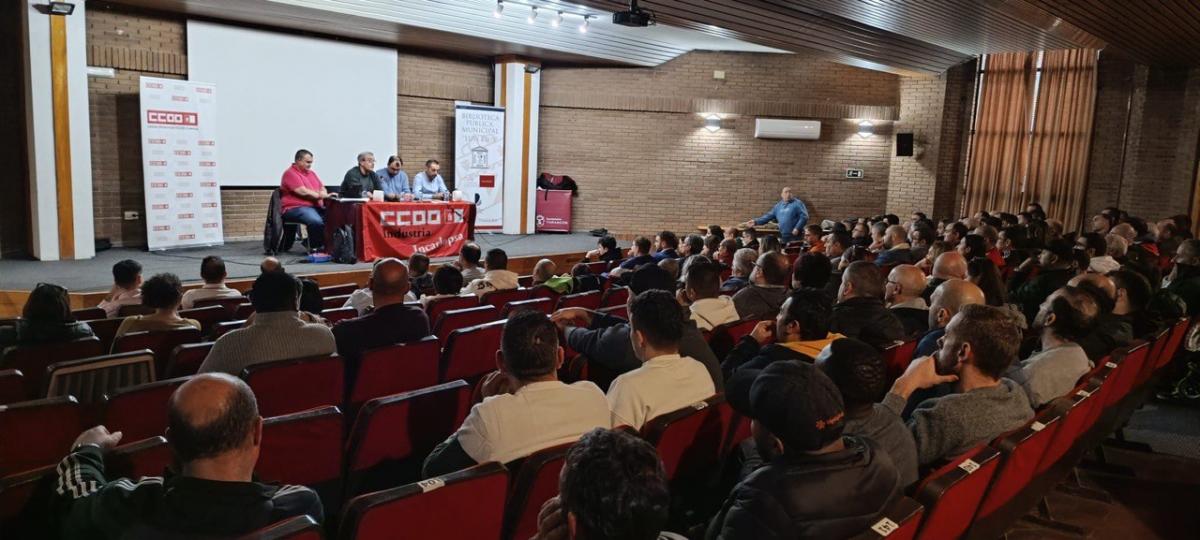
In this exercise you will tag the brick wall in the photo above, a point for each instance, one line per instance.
(14, 202)
(1114, 86)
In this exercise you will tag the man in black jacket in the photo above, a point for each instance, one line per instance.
(817, 482)
(801, 331)
(215, 433)
(860, 312)
(1054, 271)
(767, 290)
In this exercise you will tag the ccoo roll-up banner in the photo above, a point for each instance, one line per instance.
(479, 162)
(179, 162)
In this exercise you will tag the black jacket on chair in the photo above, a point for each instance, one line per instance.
(867, 319)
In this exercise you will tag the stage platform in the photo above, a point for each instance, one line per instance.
(241, 261)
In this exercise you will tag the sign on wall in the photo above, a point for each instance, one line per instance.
(179, 163)
(479, 161)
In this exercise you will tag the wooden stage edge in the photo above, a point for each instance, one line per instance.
(11, 302)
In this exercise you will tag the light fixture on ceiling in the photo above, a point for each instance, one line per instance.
(557, 20)
(866, 129)
(499, 11)
(532, 15)
(61, 8)
(583, 27)
(712, 123)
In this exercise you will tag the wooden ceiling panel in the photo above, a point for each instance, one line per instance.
(1156, 32)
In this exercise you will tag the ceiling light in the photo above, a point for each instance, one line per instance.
(866, 129)
(712, 123)
(61, 8)
(584, 26)
(499, 9)
(532, 15)
(557, 20)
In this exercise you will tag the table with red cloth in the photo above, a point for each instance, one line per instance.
(399, 229)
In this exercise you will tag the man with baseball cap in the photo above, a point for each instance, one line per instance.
(1054, 264)
(817, 483)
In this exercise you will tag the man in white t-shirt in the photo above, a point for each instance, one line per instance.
(525, 408)
(212, 270)
(702, 290)
(666, 381)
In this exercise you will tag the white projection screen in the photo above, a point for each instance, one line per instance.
(280, 93)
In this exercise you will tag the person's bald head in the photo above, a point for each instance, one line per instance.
(1069, 313)
(771, 269)
(861, 280)
(389, 282)
(905, 282)
(271, 264)
(950, 265)
(949, 298)
(1099, 281)
(1126, 231)
(214, 416)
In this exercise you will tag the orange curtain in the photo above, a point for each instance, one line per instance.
(1062, 134)
(1000, 144)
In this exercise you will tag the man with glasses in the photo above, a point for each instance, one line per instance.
(361, 180)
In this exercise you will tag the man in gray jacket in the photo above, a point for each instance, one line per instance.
(1064, 318)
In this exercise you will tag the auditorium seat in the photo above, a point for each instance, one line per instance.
(690, 440)
(342, 289)
(951, 494)
(337, 315)
(12, 386)
(230, 305)
(738, 428)
(1173, 343)
(544, 305)
(1158, 347)
(138, 458)
(897, 357)
(33, 360)
(525, 281)
(294, 528)
(89, 379)
(207, 316)
(542, 291)
(615, 296)
(26, 501)
(437, 307)
(470, 353)
(88, 313)
(140, 411)
(221, 329)
(106, 331)
(305, 448)
(586, 300)
(534, 481)
(1020, 452)
(134, 309)
(288, 386)
(899, 522)
(497, 299)
(724, 337)
(244, 310)
(186, 359)
(1076, 409)
(162, 342)
(394, 369)
(621, 311)
(432, 508)
(334, 302)
(392, 435)
(597, 267)
(455, 319)
(38, 432)
(1129, 363)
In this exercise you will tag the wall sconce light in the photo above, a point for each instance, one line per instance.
(866, 129)
(60, 8)
(712, 123)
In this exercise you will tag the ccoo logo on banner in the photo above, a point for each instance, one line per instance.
(179, 162)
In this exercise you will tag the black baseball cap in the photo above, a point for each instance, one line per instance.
(794, 400)
(1061, 248)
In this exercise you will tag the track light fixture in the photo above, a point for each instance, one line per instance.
(583, 27)
(532, 15)
(499, 11)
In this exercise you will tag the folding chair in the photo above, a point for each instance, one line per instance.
(186, 359)
(952, 493)
(394, 369)
(534, 482)
(690, 440)
(38, 433)
(470, 353)
(542, 291)
(33, 360)
(455, 319)
(898, 522)
(497, 299)
(140, 412)
(288, 386)
(724, 337)
(544, 305)
(162, 342)
(437, 307)
(305, 448)
(1020, 453)
(433, 508)
(89, 379)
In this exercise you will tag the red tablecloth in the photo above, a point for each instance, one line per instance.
(399, 229)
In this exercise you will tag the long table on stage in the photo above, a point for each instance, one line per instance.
(399, 229)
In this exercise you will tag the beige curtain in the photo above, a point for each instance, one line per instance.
(1000, 144)
(1062, 135)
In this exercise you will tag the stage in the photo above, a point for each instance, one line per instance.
(87, 278)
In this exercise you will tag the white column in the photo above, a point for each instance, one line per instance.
(518, 90)
(40, 132)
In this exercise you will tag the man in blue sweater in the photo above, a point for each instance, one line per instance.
(791, 214)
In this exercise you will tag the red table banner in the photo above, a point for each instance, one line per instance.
(403, 228)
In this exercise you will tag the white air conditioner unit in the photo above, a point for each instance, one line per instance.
(773, 128)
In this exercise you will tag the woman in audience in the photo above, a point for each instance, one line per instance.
(768, 244)
(971, 246)
(983, 272)
(162, 292)
(447, 282)
(46, 318)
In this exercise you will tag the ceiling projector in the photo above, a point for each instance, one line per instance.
(635, 17)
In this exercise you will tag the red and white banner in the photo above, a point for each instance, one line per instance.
(401, 229)
(179, 163)
(479, 161)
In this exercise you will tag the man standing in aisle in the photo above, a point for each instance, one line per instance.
(428, 184)
(393, 180)
(302, 196)
(791, 214)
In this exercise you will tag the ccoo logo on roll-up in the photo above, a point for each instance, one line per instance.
(172, 118)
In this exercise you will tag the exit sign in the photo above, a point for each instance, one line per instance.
(854, 173)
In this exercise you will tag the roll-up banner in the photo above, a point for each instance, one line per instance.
(479, 162)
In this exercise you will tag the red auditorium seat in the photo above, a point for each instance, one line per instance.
(534, 482)
(1173, 343)
(161, 342)
(89, 379)
(25, 502)
(738, 427)
(337, 315)
(897, 357)
(1158, 347)
(243, 312)
(145, 457)
(207, 316)
(394, 369)
(106, 331)
(432, 508)
(1020, 453)
(470, 353)
(288, 386)
(334, 302)
(304, 448)
(690, 440)
(455, 319)
(392, 435)
(140, 412)
(88, 313)
(525, 281)
(32, 361)
(598, 267)
(586, 300)
(1076, 409)
(38, 433)
(544, 305)
(134, 309)
(339, 290)
(621, 311)
(542, 291)
(295, 528)
(724, 337)
(230, 305)
(497, 299)
(1129, 364)
(12, 386)
(952, 493)
(615, 296)
(221, 329)
(436, 308)
(898, 522)
(186, 359)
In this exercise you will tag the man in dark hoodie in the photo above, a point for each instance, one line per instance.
(860, 313)
(1054, 265)
(800, 332)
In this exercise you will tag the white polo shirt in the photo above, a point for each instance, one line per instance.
(663, 384)
(539, 415)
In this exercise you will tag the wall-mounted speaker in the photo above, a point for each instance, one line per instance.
(904, 144)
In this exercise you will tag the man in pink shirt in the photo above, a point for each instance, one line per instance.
(301, 195)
